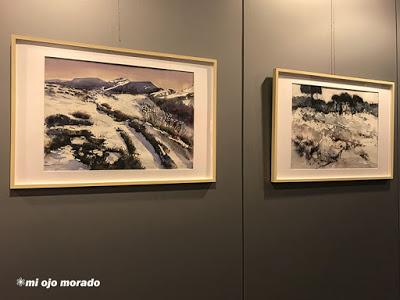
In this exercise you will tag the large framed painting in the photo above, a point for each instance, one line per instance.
(331, 128)
(87, 115)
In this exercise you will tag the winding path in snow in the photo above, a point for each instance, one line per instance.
(146, 154)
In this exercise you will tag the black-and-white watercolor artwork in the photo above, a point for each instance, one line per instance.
(100, 116)
(334, 128)
(331, 128)
(85, 115)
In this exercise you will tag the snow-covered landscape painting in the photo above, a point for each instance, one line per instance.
(333, 128)
(100, 116)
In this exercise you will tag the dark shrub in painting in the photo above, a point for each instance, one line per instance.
(61, 120)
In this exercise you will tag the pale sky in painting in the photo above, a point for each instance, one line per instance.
(66, 69)
(327, 93)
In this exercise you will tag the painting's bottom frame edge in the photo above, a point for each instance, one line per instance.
(18, 186)
(330, 179)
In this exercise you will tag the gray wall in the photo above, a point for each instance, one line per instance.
(316, 240)
(160, 242)
(301, 241)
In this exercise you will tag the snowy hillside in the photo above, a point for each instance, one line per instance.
(118, 124)
(334, 140)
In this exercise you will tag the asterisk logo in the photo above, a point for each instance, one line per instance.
(20, 282)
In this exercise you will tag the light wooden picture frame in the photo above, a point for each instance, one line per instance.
(90, 115)
(331, 128)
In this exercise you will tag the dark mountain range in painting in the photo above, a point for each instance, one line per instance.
(122, 86)
(135, 87)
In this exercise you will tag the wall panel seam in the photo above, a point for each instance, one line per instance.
(397, 203)
(332, 38)
(242, 150)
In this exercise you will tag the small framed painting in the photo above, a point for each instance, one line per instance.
(87, 115)
(331, 128)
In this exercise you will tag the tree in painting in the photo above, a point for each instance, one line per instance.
(310, 89)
